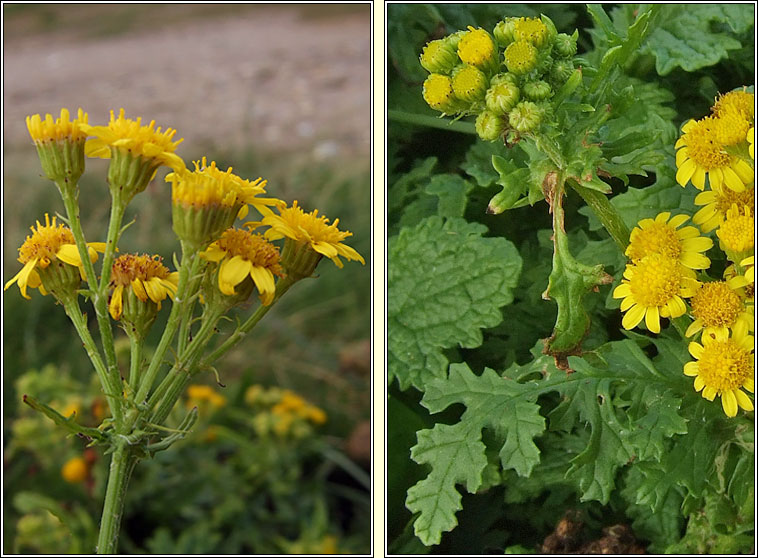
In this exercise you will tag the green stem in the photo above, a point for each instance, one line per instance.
(169, 391)
(136, 345)
(189, 265)
(606, 213)
(282, 287)
(431, 121)
(100, 298)
(122, 465)
(111, 389)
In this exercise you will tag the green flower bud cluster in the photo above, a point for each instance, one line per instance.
(506, 78)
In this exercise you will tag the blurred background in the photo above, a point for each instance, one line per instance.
(280, 460)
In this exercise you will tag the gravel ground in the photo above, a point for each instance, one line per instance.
(270, 78)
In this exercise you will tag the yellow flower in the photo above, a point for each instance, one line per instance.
(145, 276)
(749, 265)
(717, 203)
(740, 101)
(60, 129)
(75, 470)
(530, 29)
(469, 83)
(724, 367)
(476, 47)
(751, 141)
(520, 57)
(244, 254)
(438, 94)
(60, 146)
(49, 244)
(199, 395)
(140, 141)
(700, 154)
(663, 236)
(653, 288)
(737, 232)
(313, 231)
(717, 306)
(730, 126)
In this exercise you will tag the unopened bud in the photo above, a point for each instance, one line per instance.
(469, 83)
(503, 32)
(439, 57)
(537, 90)
(502, 97)
(520, 57)
(490, 126)
(564, 46)
(525, 116)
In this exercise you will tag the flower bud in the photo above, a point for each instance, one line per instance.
(477, 48)
(469, 83)
(505, 77)
(544, 63)
(439, 57)
(560, 71)
(454, 39)
(525, 116)
(564, 46)
(503, 32)
(502, 97)
(537, 90)
(532, 30)
(520, 57)
(490, 126)
(438, 94)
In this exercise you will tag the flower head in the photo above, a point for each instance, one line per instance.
(520, 57)
(241, 255)
(663, 236)
(139, 140)
(139, 285)
(477, 47)
(75, 470)
(201, 395)
(206, 201)
(60, 129)
(700, 154)
(438, 94)
(730, 126)
(716, 307)
(654, 287)
(50, 257)
(530, 29)
(60, 145)
(469, 83)
(439, 56)
(717, 202)
(741, 102)
(312, 232)
(724, 367)
(737, 232)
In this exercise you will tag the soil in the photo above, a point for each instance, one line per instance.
(226, 77)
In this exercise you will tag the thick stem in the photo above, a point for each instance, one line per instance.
(122, 465)
(111, 389)
(606, 213)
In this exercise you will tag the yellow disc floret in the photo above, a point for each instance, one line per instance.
(62, 128)
(477, 48)
(740, 101)
(652, 288)
(520, 57)
(242, 254)
(731, 126)
(663, 236)
(737, 232)
(469, 83)
(724, 367)
(717, 202)
(716, 306)
(530, 29)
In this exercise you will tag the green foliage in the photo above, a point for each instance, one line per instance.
(436, 301)
(588, 417)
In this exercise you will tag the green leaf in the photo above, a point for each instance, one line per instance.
(460, 449)
(445, 283)
(452, 191)
(686, 35)
(456, 452)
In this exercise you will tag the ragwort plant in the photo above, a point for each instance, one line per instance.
(221, 267)
(599, 413)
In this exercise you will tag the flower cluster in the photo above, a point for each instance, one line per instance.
(661, 278)
(507, 78)
(282, 412)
